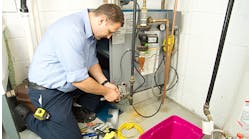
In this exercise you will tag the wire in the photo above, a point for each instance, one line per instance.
(155, 82)
(147, 116)
(177, 76)
(121, 75)
(157, 71)
(142, 78)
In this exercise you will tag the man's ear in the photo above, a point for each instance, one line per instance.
(102, 19)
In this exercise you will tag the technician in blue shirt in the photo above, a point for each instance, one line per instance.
(65, 64)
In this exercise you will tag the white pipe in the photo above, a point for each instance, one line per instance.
(36, 20)
(32, 27)
(28, 34)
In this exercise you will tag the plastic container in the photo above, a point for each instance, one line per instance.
(173, 127)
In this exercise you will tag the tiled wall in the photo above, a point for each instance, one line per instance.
(17, 43)
(202, 22)
(200, 34)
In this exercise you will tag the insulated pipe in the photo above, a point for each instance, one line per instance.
(132, 78)
(218, 57)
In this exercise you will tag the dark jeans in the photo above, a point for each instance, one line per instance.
(62, 123)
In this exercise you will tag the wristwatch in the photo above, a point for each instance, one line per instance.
(104, 82)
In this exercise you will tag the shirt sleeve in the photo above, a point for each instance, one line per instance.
(72, 53)
(92, 57)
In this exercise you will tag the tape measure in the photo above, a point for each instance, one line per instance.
(41, 114)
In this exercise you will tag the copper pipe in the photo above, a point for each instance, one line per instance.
(174, 16)
(167, 54)
(144, 4)
(162, 4)
(105, 1)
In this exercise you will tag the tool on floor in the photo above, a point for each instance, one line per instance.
(40, 113)
(89, 134)
(110, 133)
(128, 126)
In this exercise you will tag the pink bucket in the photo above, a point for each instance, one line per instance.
(173, 127)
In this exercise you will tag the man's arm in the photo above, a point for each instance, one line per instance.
(89, 85)
(97, 74)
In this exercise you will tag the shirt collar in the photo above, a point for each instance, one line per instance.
(87, 25)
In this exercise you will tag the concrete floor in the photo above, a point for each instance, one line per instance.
(146, 103)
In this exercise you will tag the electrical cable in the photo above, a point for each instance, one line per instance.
(157, 71)
(177, 76)
(154, 81)
(142, 78)
(121, 75)
(176, 33)
(147, 116)
(176, 47)
(171, 85)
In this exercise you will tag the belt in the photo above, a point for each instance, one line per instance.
(36, 86)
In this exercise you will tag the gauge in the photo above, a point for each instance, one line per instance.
(162, 27)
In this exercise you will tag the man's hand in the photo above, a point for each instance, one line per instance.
(112, 95)
(112, 86)
(116, 93)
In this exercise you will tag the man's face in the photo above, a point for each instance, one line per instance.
(106, 29)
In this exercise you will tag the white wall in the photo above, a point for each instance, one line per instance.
(202, 22)
(201, 30)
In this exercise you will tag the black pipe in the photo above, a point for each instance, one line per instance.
(133, 53)
(24, 8)
(219, 52)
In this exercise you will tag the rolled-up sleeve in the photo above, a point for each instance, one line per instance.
(73, 55)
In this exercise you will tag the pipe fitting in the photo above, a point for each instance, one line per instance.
(24, 8)
(207, 112)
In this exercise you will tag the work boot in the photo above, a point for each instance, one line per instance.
(83, 115)
(20, 114)
(22, 111)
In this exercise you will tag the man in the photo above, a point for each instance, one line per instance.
(61, 66)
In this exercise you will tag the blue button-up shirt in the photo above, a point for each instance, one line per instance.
(65, 53)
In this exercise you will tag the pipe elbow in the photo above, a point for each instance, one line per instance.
(24, 8)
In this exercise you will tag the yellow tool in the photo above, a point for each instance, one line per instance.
(41, 114)
(110, 135)
(128, 126)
